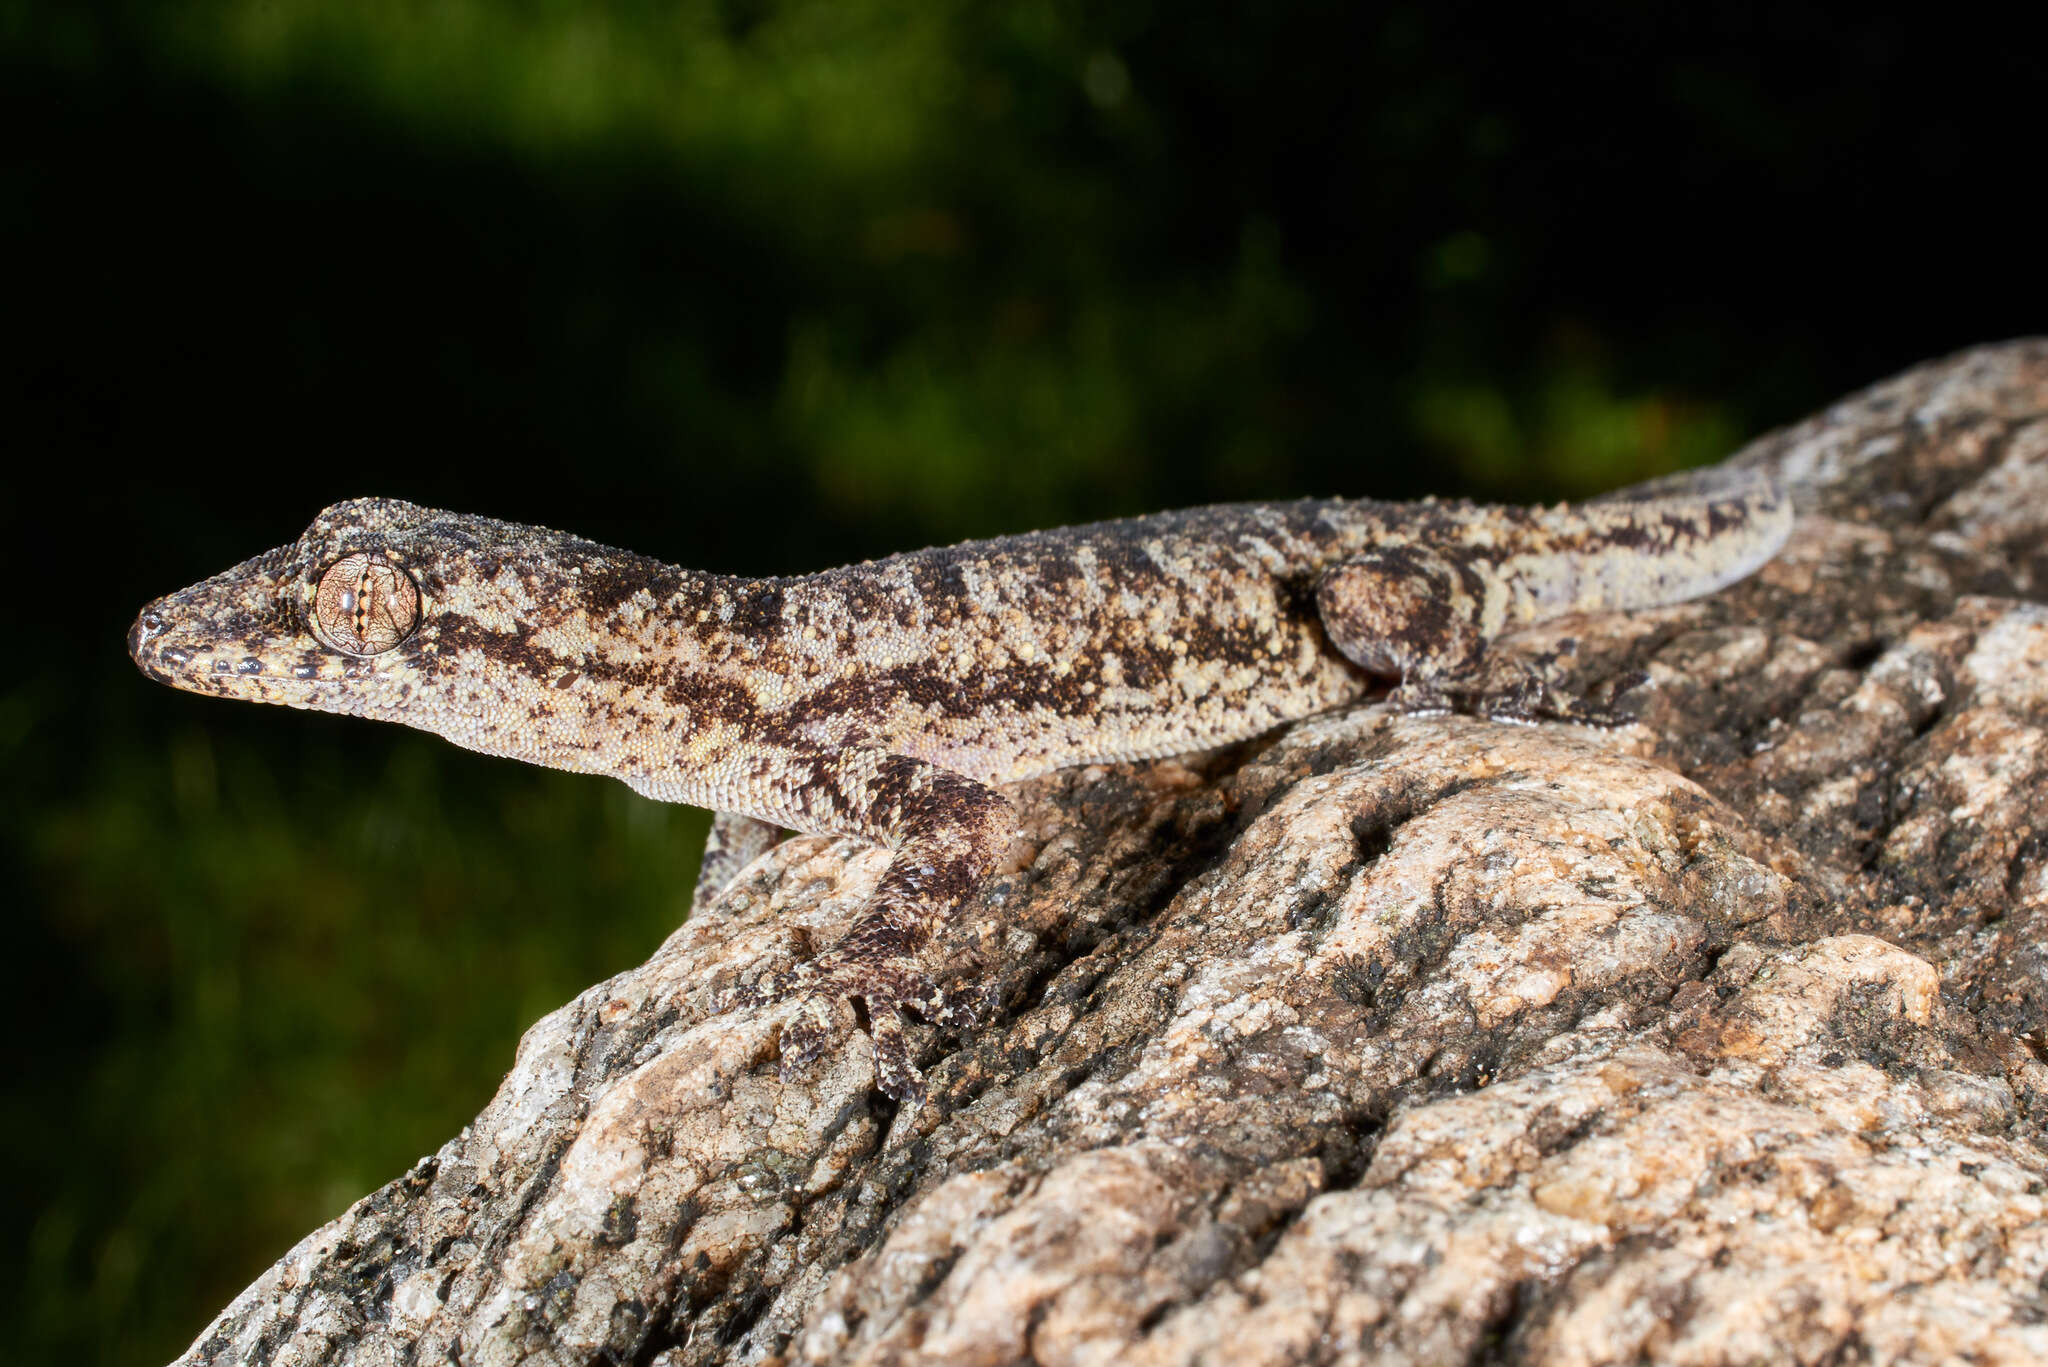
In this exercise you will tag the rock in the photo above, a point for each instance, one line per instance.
(1716, 1037)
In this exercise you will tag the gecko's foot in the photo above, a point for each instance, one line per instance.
(964, 1008)
(1559, 706)
(818, 995)
(1519, 700)
(1421, 700)
(1532, 697)
(1517, 693)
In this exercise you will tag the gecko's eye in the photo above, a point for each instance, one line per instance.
(365, 605)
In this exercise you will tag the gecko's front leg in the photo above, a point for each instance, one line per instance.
(945, 832)
(732, 843)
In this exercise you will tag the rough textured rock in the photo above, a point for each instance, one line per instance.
(1712, 1038)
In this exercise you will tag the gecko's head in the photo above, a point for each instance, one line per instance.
(387, 609)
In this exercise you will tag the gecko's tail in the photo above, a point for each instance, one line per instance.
(1652, 544)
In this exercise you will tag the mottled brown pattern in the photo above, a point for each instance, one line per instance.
(885, 699)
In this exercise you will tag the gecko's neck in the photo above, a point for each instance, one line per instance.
(611, 665)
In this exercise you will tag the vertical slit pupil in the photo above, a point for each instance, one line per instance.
(369, 606)
(365, 595)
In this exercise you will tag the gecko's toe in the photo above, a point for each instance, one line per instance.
(766, 990)
(818, 1023)
(963, 1009)
(808, 1033)
(1503, 691)
(895, 1074)
(817, 995)
(1419, 699)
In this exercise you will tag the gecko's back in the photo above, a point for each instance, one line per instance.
(1157, 635)
(1015, 656)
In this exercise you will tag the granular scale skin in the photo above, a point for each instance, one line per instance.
(889, 700)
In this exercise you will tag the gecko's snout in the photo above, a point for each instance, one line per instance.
(192, 641)
(159, 648)
(144, 640)
(226, 635)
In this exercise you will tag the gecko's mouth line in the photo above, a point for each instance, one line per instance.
(202, 671)
(201, 668)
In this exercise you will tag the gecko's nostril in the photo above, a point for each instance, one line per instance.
(148, 626)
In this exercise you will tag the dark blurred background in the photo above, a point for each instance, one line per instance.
(764, 287)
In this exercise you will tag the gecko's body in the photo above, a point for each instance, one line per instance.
(887, 699)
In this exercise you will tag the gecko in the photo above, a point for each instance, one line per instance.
(893, 700)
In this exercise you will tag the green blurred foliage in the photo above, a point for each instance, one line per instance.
(766, 285)
(887, 152)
